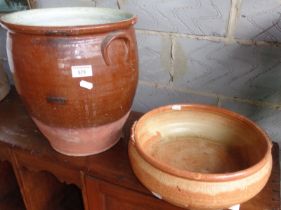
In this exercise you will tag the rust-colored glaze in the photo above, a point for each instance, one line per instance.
(42, 58)
(200, 157)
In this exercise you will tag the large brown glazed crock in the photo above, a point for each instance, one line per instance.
(200, 157)
(76, 70)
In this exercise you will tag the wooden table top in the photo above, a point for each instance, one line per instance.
(17, 130)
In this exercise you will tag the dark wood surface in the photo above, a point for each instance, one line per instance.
(31, 149)
(10, 197)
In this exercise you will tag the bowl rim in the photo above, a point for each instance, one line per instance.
(212, 177)
(71, 29)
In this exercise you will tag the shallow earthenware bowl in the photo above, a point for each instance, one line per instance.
(200, 157)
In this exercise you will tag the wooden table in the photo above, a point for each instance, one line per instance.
(35, 177)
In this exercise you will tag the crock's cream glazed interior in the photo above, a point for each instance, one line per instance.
(200, 140)
(71, 16)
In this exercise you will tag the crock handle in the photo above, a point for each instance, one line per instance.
(109, 38)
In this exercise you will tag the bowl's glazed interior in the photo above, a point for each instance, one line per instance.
(200, 139)
(61, 17)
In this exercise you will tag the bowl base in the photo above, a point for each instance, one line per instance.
(196, 154)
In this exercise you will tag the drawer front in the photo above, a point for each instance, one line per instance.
(102, 195)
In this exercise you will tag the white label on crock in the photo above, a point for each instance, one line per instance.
(87, 85)
(236, 207)
(176, 107)
(82, 71)
(157, 195)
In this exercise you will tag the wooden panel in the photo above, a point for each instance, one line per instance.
(43, 191)
(40, 189)
(35, 163)
(8, 182)
(105, 196)
(10, 197)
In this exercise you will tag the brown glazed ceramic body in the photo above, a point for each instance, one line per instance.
(200, 157)
(76, 70)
